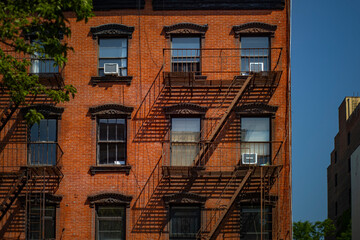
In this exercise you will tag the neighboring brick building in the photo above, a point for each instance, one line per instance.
(187, 137)
(347, 140)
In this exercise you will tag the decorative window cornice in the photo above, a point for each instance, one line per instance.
(49, 111)
(185, 109)
(112, 30)
(184, 29)
(256, 108)
(254, 28)
(111, 110)
(109, 198)
(184, 198)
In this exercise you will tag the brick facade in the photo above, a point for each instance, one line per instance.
(77, 129)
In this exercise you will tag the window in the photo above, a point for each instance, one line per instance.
(42, 148)
(110, 222)
(255, 54)
(113, 50)
(41, 64)
(186, 54)
(37, 227)
(184, 222)
(112, 141)
(255, 137)
(185, 137)
(251, 223)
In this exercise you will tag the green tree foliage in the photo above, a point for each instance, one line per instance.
(44, 21)
(313, 231)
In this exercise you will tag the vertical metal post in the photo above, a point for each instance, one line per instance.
(261, 202)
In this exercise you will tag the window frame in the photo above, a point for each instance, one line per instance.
(37, 143)
(98, 142)
(185, 143)
(119, 67)
(197, 64)
(121, 218)
(269, 142)
(248, 56)
(267, 233)
(190, 208)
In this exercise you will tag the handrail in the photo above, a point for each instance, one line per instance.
(148, 92)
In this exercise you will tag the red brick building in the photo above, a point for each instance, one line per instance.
(180, 128)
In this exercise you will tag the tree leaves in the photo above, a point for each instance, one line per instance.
(35, 28)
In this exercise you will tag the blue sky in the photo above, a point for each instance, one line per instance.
(325, 69)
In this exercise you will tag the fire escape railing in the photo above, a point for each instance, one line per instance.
(224, 65)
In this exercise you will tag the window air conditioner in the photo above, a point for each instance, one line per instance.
(117, 162)
(111, 69)
(249, 158)
(256, 67)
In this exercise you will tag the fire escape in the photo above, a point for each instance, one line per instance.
(210, 79)
(30, 172)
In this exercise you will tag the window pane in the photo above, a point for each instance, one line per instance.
(103, 153)
(34, 132)
(186, 124)
(185, 222)
(254, 42)
(103, 129)
(121, 130)
(109, 225)
(112, 152)
(112, 129)
(111, 236)
(112, 47)
(52, 130)
(121, 157)
(120, 62)
(186, 43)
(110, 211)
(43, 133)
(255, 129)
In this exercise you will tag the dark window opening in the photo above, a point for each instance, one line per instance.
(185, 137)
(110, 222)
(111, 141)
(255, 54)
(42, 148)
(114, 52)
(184, 222)
(185, 55)
(255, 140)
(42, 221)
(253, 223)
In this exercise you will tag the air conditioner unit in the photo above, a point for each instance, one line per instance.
(111, 69)
(249, 158)
(117, 162)
(256, 66)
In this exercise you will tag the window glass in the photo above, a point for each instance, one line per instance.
(255, 140)
(42, 146)
(185, 136)
(254, 54)
(35, 221)
(251, 223)
(113, 50)
(112, 141)
(110, 222)
(186, 54)
(184, 222)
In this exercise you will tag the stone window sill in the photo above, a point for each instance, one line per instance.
(96, 80)
(110, 169)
